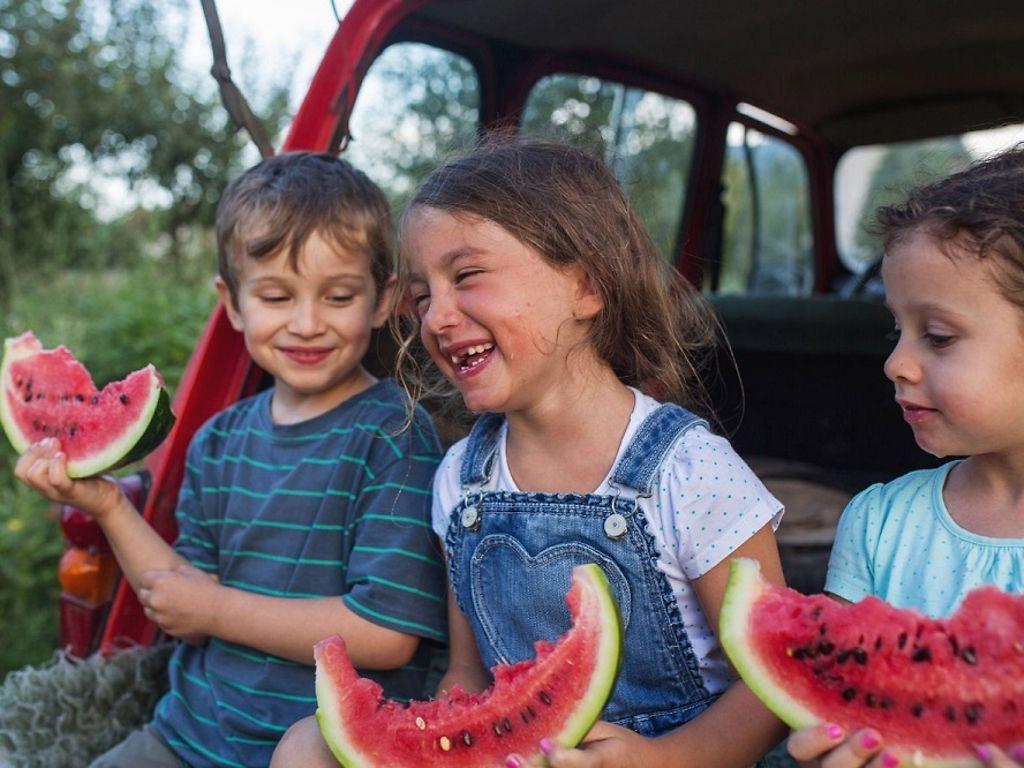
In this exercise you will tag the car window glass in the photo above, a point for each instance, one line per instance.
(882, 174)
(416, 104)
(767, 238)
(645, 137)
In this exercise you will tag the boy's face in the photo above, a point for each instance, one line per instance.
(309, 329)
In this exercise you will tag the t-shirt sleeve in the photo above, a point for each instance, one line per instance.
(446, 489)
(395, 575)
(711, 501)
(196, 541)
(850, 572)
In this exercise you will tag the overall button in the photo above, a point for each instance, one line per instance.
(471, 518)
(614, 526)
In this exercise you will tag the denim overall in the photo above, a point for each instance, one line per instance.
(511, 554)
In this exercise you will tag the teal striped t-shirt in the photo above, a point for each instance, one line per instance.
(336, 507)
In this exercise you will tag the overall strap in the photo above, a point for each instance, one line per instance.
(639, 465)
(481, 447)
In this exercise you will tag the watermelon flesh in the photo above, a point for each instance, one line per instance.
(47, 393)
(559, 694)
(931, 687)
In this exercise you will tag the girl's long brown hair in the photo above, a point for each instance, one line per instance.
(655, 331)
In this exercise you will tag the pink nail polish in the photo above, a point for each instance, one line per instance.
(983, 752)
(512, 762)
(834, 732)
(1017, 753)
(890, 760)
(869, 741)
(546, 745)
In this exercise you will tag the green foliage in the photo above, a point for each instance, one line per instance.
(115, 322)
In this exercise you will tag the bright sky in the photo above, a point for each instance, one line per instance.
(287, 39)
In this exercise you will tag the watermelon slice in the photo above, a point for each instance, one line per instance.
(932, 687)
(559, 695)
(47, 393)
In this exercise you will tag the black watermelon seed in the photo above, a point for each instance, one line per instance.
(467, 739)
(816, 613)
(80, 398)
(28, 397)
(497, 730)
(922, 654)
(508, 725)
(545, 698)
(73, 430)
(950, 714)
(849, 694)
(954, 645)
(860, 656)
(878, 643)
(973, 713)
(916, 710)
(94, 399)
(902, 641)
(861, 640)
(842, 656)
(123, 398)
(823, 629)
(825, 648)
(968, 654)
(870, 700)
(799, 653)
(885, 703)
(524, 716)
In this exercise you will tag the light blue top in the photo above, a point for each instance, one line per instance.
(897, 541)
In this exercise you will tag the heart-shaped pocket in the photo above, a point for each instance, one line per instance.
(519, 598)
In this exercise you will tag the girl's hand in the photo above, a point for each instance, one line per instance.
(44, 468)
(180, 601)
(993, 756)
(605, 746)
(829, 746)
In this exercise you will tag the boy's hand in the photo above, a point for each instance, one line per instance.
(44, 468)
(181, 601)
(605, 746)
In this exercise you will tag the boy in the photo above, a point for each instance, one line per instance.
(304, 492)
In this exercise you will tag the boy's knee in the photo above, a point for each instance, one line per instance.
(303, 746)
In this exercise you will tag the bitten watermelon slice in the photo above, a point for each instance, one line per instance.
(47, 393)
(931, 687)
(559, 695)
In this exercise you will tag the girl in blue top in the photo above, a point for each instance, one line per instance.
(954, 280)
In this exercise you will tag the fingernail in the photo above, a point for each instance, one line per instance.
(512, 762)
(546, 745)
(983, 752)
(889, 760)
(834, 731)
(1017, 753)
(869, 741)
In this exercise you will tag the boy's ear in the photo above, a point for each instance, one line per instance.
(385, 301)
(224, 292)
(587, 303)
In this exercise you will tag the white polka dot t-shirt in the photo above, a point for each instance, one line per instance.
(706, 504)
(898, 542)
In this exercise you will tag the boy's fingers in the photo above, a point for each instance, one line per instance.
(813, 742)
(855, 751)
(27, 459)
(994, 757)
(57, 474)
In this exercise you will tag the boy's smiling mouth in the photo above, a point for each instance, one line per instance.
(306, 355)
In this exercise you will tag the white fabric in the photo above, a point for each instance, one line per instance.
(706, 504)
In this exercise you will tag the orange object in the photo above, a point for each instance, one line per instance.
(88, 574)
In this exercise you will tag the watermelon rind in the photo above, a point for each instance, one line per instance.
(743, 589)
(741, 592)
(608, 659)
(145, 434)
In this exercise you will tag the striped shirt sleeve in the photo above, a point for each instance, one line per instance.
(396, 571)
(196, 540)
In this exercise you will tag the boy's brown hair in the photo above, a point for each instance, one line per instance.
(655, 331)
(279, 202)
(979, 210)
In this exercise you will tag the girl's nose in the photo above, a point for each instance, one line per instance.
(305, 319)
(901, 365)
(441, 313)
